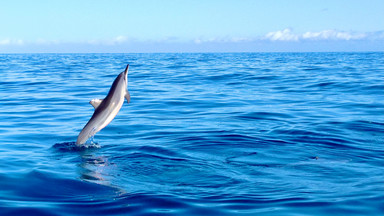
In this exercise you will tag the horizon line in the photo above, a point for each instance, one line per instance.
(190, 52)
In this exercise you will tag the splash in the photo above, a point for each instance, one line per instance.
(71, 146)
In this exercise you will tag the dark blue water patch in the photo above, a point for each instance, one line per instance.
(160, 151)
(47, 192)
(60, 189)
(264, 116)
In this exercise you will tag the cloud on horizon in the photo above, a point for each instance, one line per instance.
(288, 35)
(8, 41)
(285, 38)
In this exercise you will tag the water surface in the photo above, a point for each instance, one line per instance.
(204, 134)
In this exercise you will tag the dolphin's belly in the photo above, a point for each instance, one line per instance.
(107, 115)
(99, 121)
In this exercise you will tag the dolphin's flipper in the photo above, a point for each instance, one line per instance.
(95, 102)
(127, 96)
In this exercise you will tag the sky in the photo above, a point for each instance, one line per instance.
(109, 26)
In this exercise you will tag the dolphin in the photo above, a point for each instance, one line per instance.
(106, 109)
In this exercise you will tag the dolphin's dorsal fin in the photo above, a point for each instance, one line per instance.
(95, 102)
(127, 96)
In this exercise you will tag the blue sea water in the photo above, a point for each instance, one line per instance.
(204, 134)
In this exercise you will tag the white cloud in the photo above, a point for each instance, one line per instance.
(288, 35)
(42, 41)
(283, 35)
(223, 40)
(120, 39)
(198, 41)
(289, 38)
(333, 35)
(209, 40)
(111, 41)
(7, 41)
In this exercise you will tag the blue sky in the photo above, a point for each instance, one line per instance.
(191, 25)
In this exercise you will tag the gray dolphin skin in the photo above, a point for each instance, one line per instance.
(106, 109)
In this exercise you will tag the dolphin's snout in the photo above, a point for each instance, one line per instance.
(126, 70)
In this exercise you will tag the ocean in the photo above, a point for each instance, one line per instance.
(204, 134)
